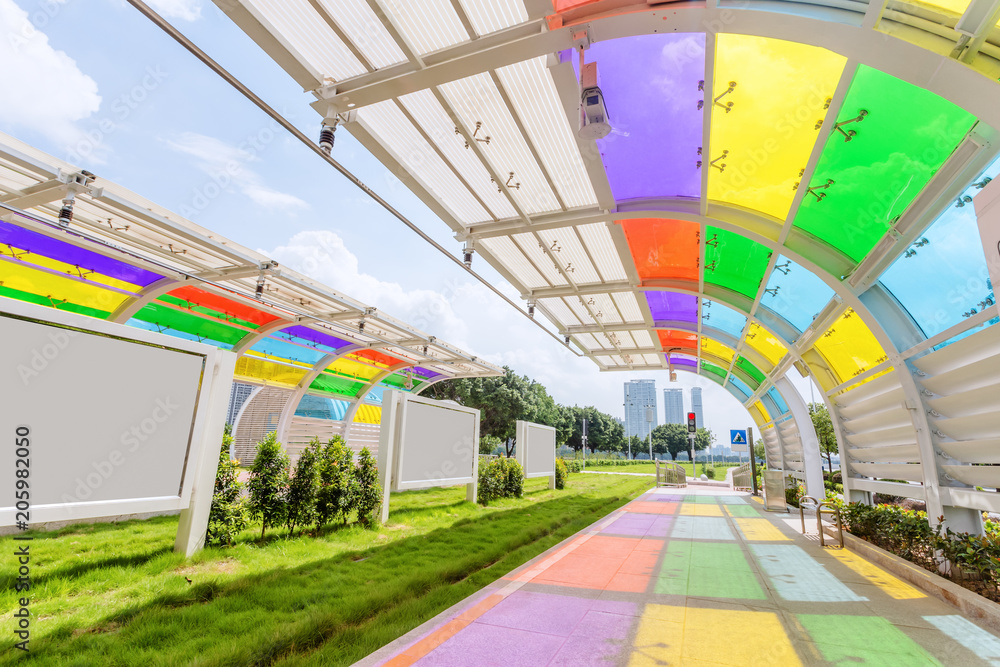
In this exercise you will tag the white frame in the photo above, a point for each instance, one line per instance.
(392, 447)
(198, 481)
(523, 446)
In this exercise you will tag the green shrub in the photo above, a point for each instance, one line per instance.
(709, 471)
(573, 465)
(269, 483)
(499, 478)
(336, 468)
(302, 490)
(367, 492)
(793, 491)
(561, 474)
(228, 516)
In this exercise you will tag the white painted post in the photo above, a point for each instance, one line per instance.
(207, 439)
(386, 446)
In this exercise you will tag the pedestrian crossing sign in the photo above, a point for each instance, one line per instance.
(737, 437)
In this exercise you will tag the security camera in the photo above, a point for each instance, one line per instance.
(593, 112)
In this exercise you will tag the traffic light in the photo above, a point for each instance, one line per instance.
(692, 426)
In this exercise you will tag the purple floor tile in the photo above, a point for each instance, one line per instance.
(616, 607)
(538, 612)
(489, 646)
(630, 524)
(661, 526)
(598, 640)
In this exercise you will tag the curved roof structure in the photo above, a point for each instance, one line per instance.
(127, 260)
(786, 183)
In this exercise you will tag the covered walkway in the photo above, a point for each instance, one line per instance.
(696, 577)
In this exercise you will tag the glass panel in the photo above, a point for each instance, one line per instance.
(717, 374)
(331, 384)
(763, 412)
(778, 399)
(368, 414)
(56, 290)
(224, 318)
(273, 347)
(734, 261)
(650, 88)
(764, 342)
(741, 386)
(873, 180)
(751, 370)
(325, 340)
(255, 368)
(149, 326)
(724, 352)
(672, 307)
(682, 339)
(85, 276)
(663, 249)
(795, 293)
(46, 246)
(722, 317)
(318, 407)
(44, 301)
(779, 103)
(231, 308)
(943, 278)
(682, 361)
(352, 369)
(376, 357)
(849, 347)
(166, 317)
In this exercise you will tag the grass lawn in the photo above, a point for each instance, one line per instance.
(116, 594)
(650, 468)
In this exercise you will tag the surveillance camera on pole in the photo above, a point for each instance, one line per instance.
(593, 112)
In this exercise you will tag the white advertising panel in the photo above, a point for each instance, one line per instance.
(109, 419)
(536, 449)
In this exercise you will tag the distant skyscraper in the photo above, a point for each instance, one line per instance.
(673, 406)
(640, 394)
(699, 417)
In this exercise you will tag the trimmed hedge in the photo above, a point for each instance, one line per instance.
(562, 472)
(500, 478)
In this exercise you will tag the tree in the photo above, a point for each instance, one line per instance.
(759, 451)
(670, 439)
(228, 515)
(303, 489)
(824, 432)
(335, 468)
(703, 438)
(268, 482)
(368, 492)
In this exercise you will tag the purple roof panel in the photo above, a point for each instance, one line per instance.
(672, 307)
(309, 334)
(650, 85)
(46, 246)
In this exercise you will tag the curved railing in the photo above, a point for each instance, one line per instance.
(670, 474)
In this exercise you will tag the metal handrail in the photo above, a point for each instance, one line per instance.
(671, 474)
(818, 506)
(743, 478)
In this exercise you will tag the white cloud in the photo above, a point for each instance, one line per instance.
(186, 10)
(227, 166)
(45, 91)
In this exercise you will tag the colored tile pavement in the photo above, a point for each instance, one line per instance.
(700, 578)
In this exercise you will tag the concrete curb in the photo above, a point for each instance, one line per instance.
(971, 604)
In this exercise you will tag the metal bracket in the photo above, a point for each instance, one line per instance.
(850, 134)
(729, 105)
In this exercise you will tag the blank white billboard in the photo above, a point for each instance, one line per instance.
(107, 416)
(536, 448)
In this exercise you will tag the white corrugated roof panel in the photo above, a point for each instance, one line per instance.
(507, 253)
(434, 120)
(398, 135)
(604, 309)
(303, 30)
(488, 16)
(567, 249)
(642, 338)
(428, 25)
(476, 99)
(533, 93)
(628, 306)
(560, 311)
(589, 341)
(598, 241)
(582, 307)
(652, 359)
(363, 27)
(531, 247)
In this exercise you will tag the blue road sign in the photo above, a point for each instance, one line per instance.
(737, 437)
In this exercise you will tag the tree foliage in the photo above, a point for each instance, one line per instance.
(824, 432)
(268, 483)
(303, 489)
(336, 468)
(673, 439)
(228, 516)
(367, 490)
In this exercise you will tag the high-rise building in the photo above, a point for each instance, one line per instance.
(673, 406)
(696, 408)
(640, 395)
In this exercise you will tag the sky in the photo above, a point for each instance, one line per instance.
(96, 84)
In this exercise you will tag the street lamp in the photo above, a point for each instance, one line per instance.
(649, 428)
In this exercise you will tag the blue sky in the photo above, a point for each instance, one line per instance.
(97, 84)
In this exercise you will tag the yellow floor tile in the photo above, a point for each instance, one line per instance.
(690, 509)
(760, 530)
(889, 584)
